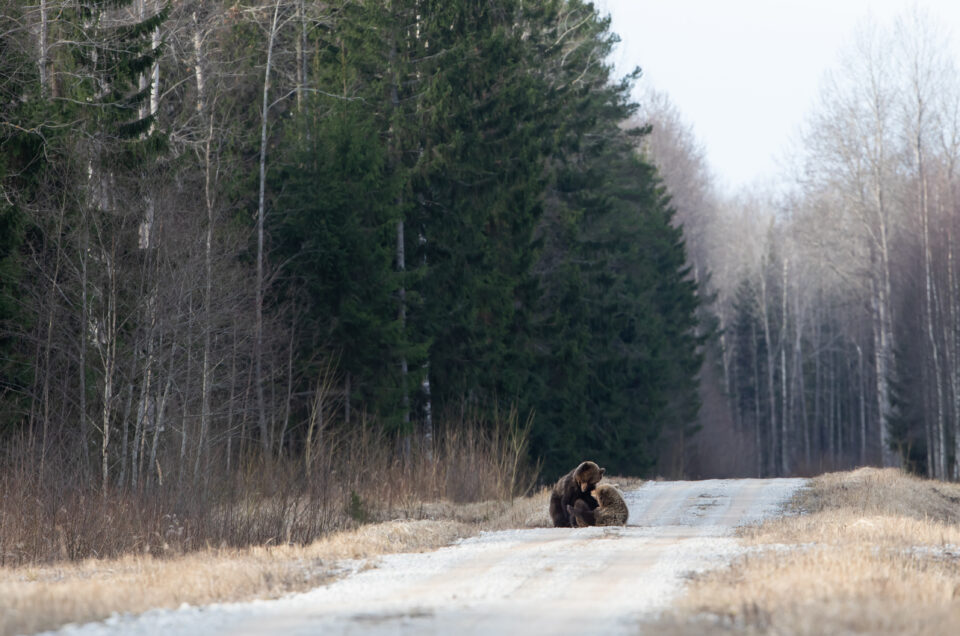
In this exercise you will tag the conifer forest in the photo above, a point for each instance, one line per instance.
(234, 233)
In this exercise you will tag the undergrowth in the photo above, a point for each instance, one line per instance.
(358, 475)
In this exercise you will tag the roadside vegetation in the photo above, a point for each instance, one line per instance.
(69, 554)
(869, 551)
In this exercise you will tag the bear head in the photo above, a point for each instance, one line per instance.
(605, 494)
(587, 475)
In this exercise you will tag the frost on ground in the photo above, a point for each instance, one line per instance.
(548, 580)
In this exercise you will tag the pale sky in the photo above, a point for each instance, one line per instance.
(744, 73)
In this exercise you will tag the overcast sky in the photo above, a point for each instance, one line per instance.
(745, 72)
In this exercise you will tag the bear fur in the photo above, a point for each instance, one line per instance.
(581, 515)
(572, 488)
(611, 511)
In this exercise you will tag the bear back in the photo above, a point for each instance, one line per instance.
(612, 509)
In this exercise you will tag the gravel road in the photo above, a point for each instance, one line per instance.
(540, 581)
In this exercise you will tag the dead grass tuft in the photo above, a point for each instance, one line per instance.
(871, 551)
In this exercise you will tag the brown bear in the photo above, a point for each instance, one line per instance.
(581, 515)
(573, 487)
(611, 511)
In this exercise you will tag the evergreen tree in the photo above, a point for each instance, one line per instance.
(22, 166)
(617, 342)
(635, 321)
(460, 200)
(335, 228)
(478, 188)
(749, 354)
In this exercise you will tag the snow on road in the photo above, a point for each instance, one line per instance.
(540, 581)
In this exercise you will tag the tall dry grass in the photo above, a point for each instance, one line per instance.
(356, 475)
(265, 528)
(867, 552)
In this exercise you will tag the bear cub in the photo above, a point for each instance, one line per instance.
(574, 489)
(611, 511)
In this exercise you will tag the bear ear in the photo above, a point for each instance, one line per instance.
(602, 471)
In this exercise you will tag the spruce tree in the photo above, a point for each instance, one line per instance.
(22, 167)
(335, 229)
(478, 190)
(617, 329)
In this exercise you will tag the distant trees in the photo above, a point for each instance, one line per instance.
(881, 136)
(837, 298)
(219, 221)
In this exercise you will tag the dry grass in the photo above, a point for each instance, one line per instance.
(873, 551)
(51, 510)
(263, 528)
(34, 598)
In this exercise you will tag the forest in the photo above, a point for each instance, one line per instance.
(280, 242)
(836, 292)
(292, 246)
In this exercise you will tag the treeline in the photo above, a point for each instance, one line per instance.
(235, 230)
(839, 295)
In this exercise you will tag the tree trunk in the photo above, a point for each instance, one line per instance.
(108, 354)
(125, 434)
(288, 399)
(799, 383)
(301, 54)
(771, 366)
(84, 330)
(758, 434)
(939, 428)
(401, 239)
(233, 394)
(206, 368)
(144, 401)
(261, 213)
(884, 336)
(863, 407)
(188, 381)
(42, 56)
(784, 402)
(161, 401)
(53, 292)
(952, 331)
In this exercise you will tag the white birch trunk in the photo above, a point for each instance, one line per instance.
(884, 327)
(301, 53)
(43, 49)
(938, 426)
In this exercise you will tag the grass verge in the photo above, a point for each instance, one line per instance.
(40, 597)
(870, 551)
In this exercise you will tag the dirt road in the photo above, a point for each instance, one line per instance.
(541, 581)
